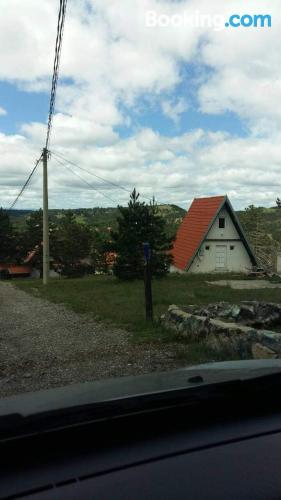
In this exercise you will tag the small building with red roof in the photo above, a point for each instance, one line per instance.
(211, 239)
(17, 270)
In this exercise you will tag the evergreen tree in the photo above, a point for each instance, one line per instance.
(7, 238)
(32, 238)
(101, 247)
(139, 223)
(161, 243)
(278, 203)
(34, 230)
(72, 245)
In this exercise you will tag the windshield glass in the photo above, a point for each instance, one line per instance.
(140, 228)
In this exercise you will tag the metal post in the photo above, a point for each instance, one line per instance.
(147, 282)
(46, 252)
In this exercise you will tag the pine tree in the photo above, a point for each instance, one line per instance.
(33, 234)
(161, 243)
(32, 238)
(72, 245)
(139, 223)
(7, 237)
(101, 246)
(278, 203)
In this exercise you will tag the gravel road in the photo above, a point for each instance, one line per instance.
(44, 345)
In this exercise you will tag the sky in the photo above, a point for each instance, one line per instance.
(177, 111)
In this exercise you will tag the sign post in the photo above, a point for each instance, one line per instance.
(147, 281)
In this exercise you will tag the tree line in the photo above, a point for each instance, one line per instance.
(77, 249)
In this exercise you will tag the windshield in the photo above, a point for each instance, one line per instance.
(140, 228)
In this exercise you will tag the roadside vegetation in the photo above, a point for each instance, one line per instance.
(121, 303)
(80, 248)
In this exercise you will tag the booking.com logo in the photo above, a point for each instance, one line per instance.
(248, 21)
(198, 20)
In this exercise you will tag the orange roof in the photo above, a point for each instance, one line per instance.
(16, 269)
(20, 270)
(32, 254)
(110, 258)
(194, 228)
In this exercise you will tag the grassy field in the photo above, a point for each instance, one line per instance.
(122, 303)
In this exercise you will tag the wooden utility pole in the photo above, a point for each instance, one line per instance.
(147, 282)
(46, 251)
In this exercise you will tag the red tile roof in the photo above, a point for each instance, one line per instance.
(15, 269)
(194, 228)
(32, 254)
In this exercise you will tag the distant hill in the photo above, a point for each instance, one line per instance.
(264, 233)
(100, 218)
(270, 221)
(265, 243)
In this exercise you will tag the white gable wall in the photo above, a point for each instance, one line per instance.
(227, 252)
(230, 231)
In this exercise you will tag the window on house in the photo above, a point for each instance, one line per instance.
(232, 247)
(207, 247)
(221, 222)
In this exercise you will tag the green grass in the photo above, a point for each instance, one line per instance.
(196, 353)
(122, 303)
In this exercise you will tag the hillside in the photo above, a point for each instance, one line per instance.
(100, 218)
(263, 228)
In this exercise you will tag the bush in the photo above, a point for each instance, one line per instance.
(77, 271)
(5, 275)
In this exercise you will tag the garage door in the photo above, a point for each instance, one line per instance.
(220, 256)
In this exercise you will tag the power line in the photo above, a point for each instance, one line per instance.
(85, 182)
(27, 182)
(60, 27)
(95, 175)
(91, 173)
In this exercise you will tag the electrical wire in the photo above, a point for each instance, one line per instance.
(95, 175)
(86, 182)
(58, 45)
(59, 37)
(27, 182)
(91, 173)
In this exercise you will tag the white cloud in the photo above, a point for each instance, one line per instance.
(3, 112)
(174, 109)
(174, 169)
(109, 60)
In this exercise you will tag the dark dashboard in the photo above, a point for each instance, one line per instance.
(224, 449)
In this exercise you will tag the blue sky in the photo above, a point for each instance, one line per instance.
(176, 112)
(27, 106)
(22, 107)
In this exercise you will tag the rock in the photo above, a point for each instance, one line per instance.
(247, 312)
(260, 351)
(229, 327)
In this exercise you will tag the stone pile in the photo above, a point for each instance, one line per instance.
(242, 328)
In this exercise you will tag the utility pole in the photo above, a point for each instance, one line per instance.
(147, 282)
(46, 250)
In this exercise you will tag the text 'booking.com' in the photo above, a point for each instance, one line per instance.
(200, 20)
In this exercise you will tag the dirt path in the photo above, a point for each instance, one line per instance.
(245, 284)
(44, 345)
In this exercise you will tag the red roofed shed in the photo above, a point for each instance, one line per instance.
(211, 238)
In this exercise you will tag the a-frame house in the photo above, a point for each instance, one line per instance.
(211, 239)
